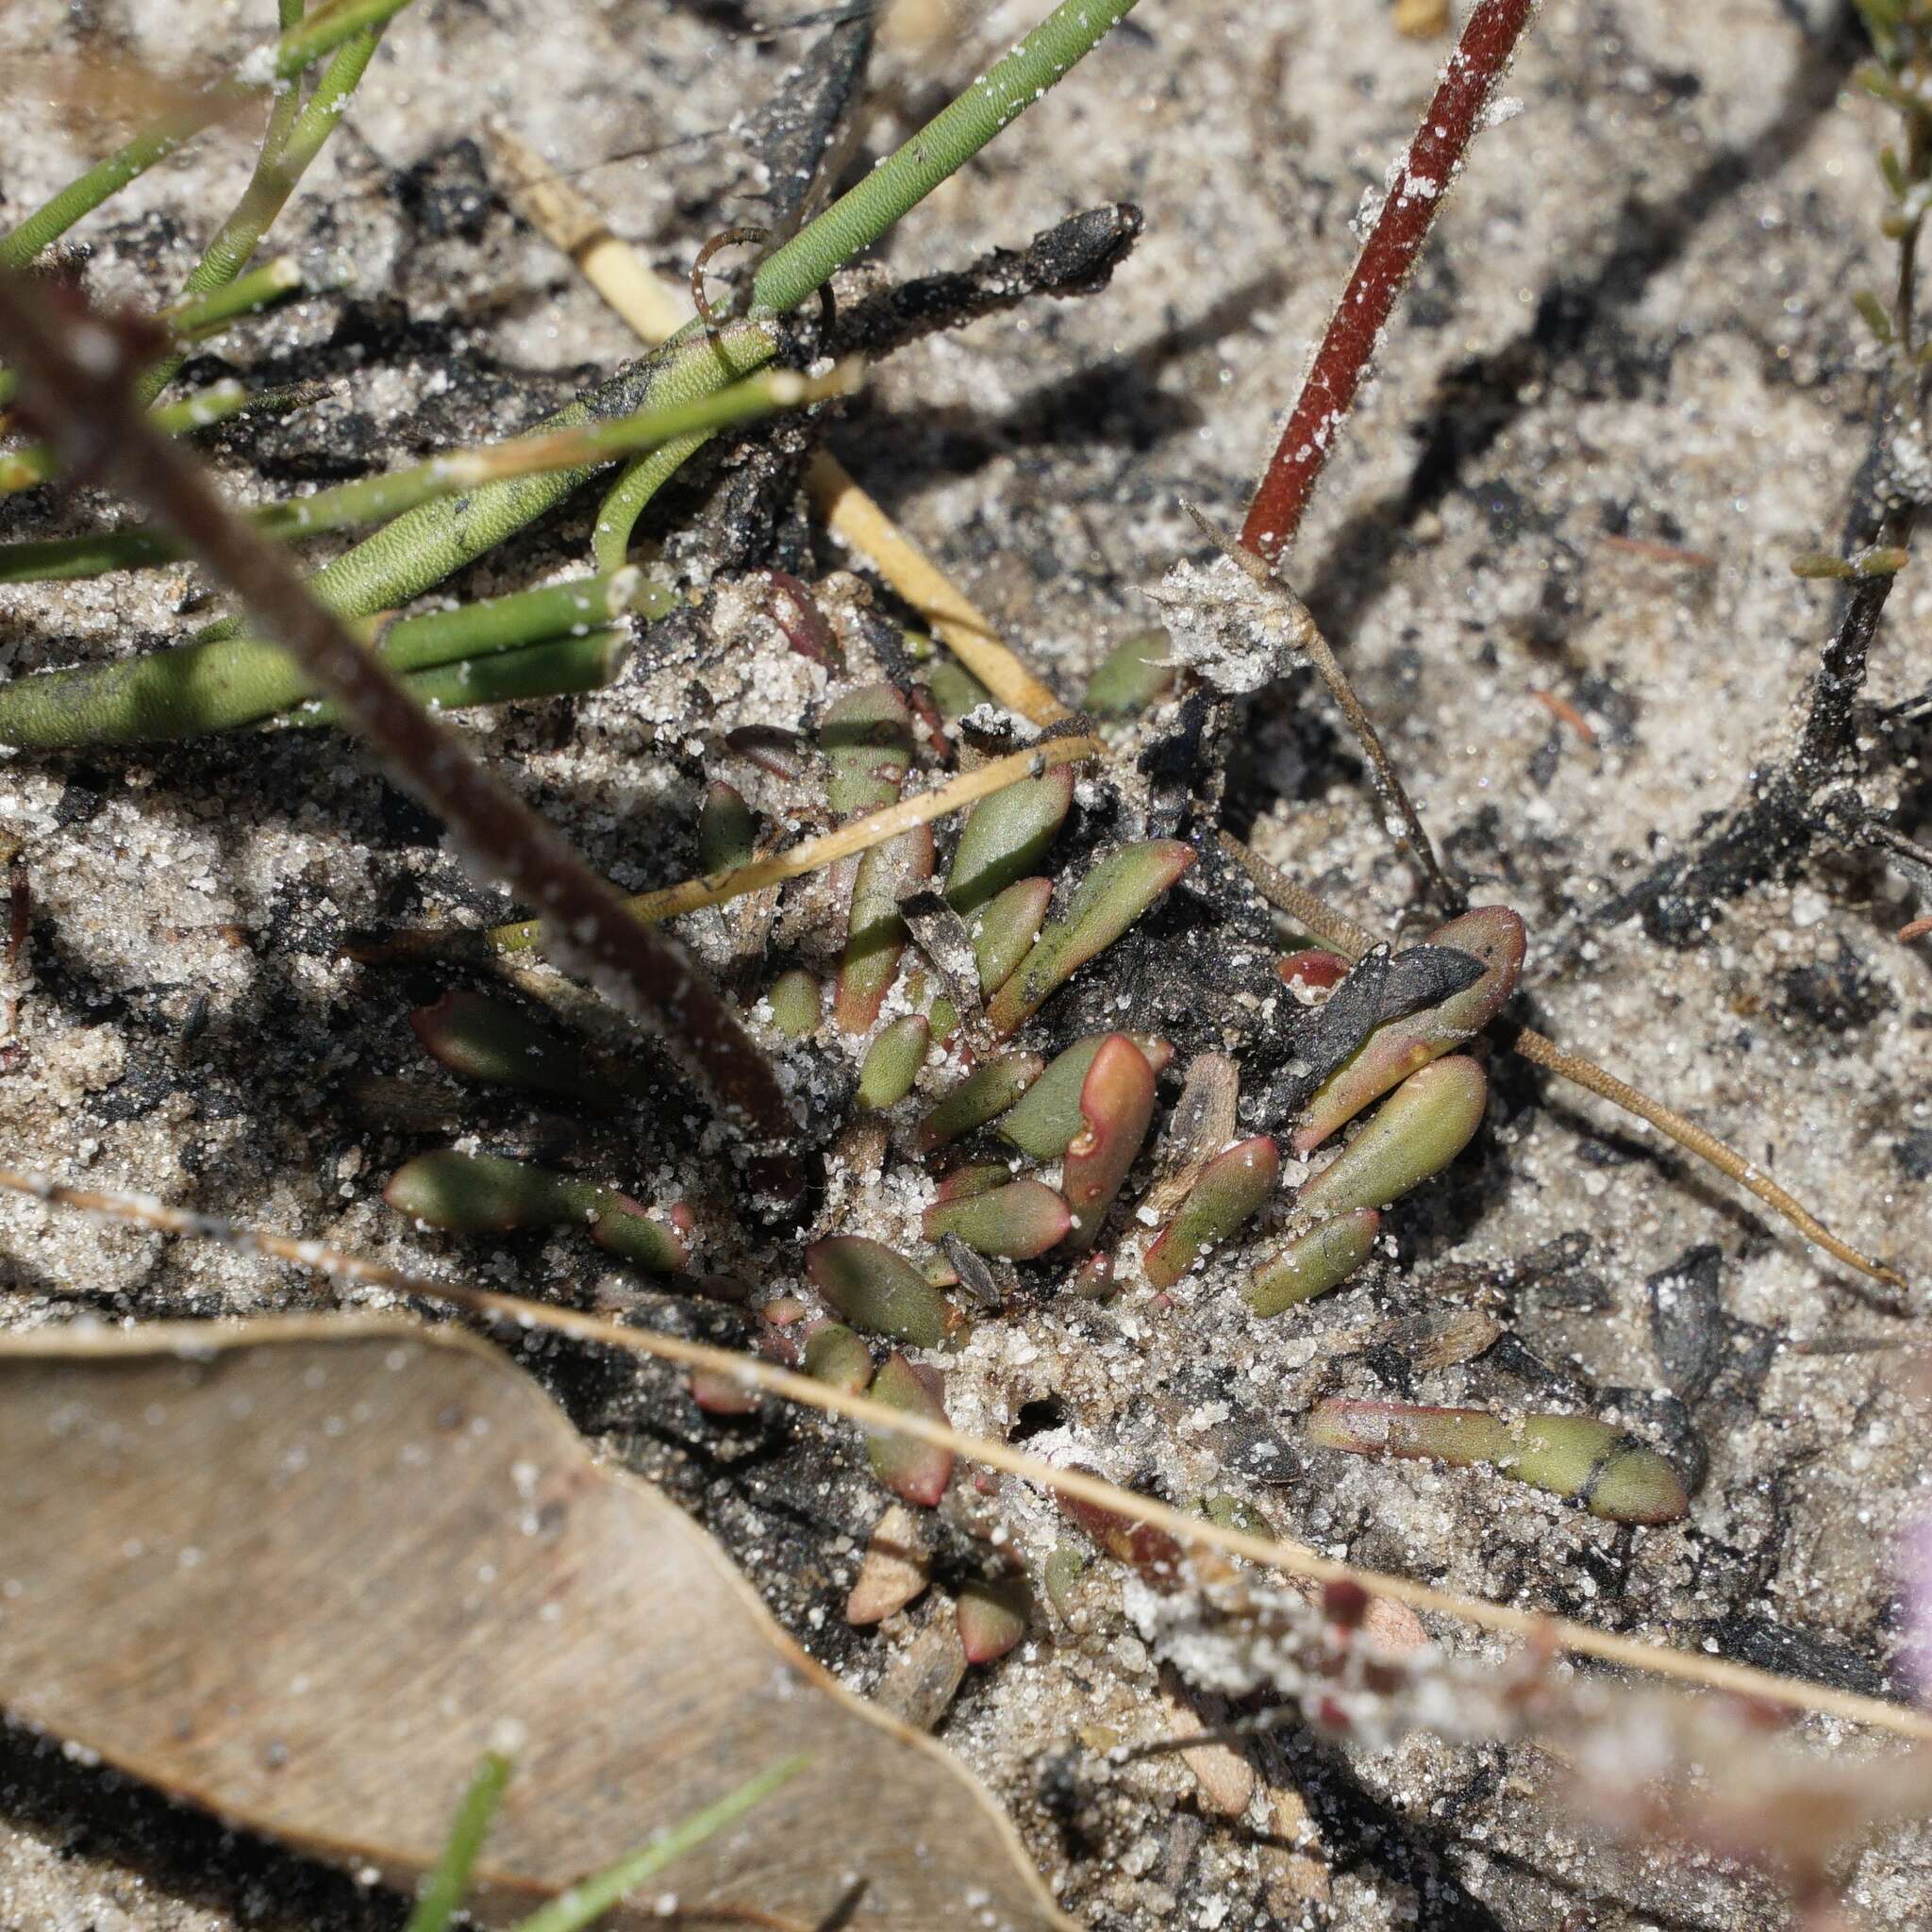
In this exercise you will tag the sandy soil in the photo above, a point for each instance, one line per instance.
(1626, 388)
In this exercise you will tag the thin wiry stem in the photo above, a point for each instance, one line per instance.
(1422, 177)
(320, 33)
(1307, 638)
(296, 134)
(1196, 1532)
(78, 378)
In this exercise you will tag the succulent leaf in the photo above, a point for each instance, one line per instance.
(1313, 1262)
(1004, 931)
(983, 1095)
(893, 1061)
(1006, 835)
(1115, 893)
(1415, 1133)
(1135, 672)
(727, 832)
(1613, 1475)
(866, 739)
(915, 1472)
(1231, 1188)
(476, 1193)
(797, 1005)
(1116, 1106)
(485, 1039)
(876, 936)
(838, 1354)
(880, 1291)
(1019, 1221)
(992, 1614)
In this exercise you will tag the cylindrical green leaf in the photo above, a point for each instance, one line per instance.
(1232, 1186)
(1109, 899)
(1019, 1221)
(1417, 1132)
(1313, 1262)
(893, 1060)
(983, 1095)
(1006, 835)
(878, 1292)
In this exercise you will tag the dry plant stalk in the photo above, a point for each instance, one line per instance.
(1195, 1532)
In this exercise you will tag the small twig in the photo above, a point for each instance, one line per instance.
(1421, 179)
(77, 375)
(1197, 1532)
(1305, 637)
(1335, 929)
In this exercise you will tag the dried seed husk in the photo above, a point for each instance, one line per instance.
(875, 935)
(1394, 1051)
(1612, 1474)
(1046, 1122)
(1415, 1133)
(1150, 1550)
(1201, 1125)
(878, 1292)
(992, 1614)
(1131, 677)
(485, 1039)
(914, 1471)
(1019, 1221)
(1004, 933)
(1232, 1186)
(1109, 899)
(1116, 1108)
(893, 1061)
(894, 1571)
(797, 1005)
(477, 1194)
(1313, 1262)
(727, 832)
(1006, 835)
(983, 1095)
(837, 1354)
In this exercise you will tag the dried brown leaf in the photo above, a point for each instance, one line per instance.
(303, 1571)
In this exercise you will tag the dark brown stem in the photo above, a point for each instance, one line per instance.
(1340, 364)
(76, 376)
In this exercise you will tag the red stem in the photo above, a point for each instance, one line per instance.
(77, 373)
(1342, 362)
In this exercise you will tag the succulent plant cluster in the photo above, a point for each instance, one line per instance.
(1042, 1170)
